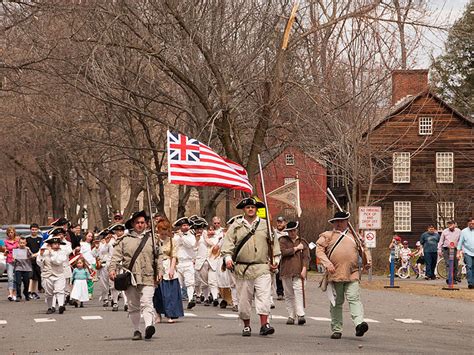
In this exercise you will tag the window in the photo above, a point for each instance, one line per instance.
(289, 159)
(401, 167)
(402, 216)
(444, 168)
(445, 213)
(425, 126)
(288, 180)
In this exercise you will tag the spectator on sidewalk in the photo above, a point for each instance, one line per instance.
(10, 243)
(23, 270)
(420, 259)
(430, 240)
(466, 248)
(449, 236)
(34, 242)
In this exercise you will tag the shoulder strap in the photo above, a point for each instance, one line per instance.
(138, 251)
(244, 240)
(343, 234)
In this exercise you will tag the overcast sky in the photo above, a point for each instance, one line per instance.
(433, 43)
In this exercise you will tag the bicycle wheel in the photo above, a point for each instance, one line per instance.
(403, 272)
(441, 269)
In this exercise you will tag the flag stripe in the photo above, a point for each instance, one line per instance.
(202, 167)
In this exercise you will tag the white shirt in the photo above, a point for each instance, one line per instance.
(185, 243)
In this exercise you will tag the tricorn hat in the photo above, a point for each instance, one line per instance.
(60, 222)
(292, 225)
(340, 216)
(199, 223)
(135, 215)
(249, 201)
(55, 231)
(53, 239)
(183, 220)
(117, 227)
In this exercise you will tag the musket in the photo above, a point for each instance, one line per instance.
(151, 225)
(267, 213)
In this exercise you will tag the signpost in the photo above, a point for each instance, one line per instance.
(370, 218)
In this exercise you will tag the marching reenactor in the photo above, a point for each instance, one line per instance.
(119, 232)
(277, 285)
(185, 242)
(339, 251)
(51, 260)
(105, 251)
(293, 269)
(249, 250)
(139, 247)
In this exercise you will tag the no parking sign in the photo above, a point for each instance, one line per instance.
(370, 237)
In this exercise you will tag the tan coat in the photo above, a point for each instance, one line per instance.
(143, 268)
(345, 257)
(255, 250)
(292, 263)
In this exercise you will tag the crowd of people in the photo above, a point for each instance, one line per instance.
(433, 245)
(154, 265)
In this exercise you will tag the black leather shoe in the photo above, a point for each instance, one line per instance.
(290, 321)
(137, 335)
(336, 335)
(61, 309)
(361, 329)
(223, 304)
(247, 332)
(301, 320)
(149, 331)
(191, 304)
(53, 309)
(266, 329)
(215, 303)
(49, 311)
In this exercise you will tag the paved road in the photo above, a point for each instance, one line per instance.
(441, 326)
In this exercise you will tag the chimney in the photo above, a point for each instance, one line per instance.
(408, 82)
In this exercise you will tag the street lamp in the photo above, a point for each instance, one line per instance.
(80, 180)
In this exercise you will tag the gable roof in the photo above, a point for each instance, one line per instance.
(271, 154)
(408, 100)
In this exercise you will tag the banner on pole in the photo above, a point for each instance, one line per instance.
(289, 194)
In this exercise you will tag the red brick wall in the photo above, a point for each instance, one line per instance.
(408, 82)
(312, 177)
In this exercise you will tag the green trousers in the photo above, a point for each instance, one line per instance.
(351, 291)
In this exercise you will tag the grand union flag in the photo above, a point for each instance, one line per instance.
(191, 162)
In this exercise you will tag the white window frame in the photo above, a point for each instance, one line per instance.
(401, 164)
(288, 180)
(445, 213)
(425, 126)
(444, 167)
(402, 216)
(289, 159)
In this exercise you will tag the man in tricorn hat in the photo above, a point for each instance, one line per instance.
(51, 260)
(246, 250)
(185, 242)
(145, 272)
(339, 251)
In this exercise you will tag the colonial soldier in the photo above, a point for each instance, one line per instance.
(339, 251)
(249, 250)
(119, 231)
(185, 242)
(104, 253)
(293, 268)
(67, 249)
(51, 260)
(277, 284)
(145, 272)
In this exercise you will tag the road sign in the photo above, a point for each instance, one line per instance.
(370, 237)
(370, 217)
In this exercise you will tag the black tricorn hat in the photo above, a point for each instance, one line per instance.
(55, 231)
(52, 239)
(292, 225)
(249, 201)
(183, 220)
(60, 222)
(135, 215)
(340, 216)
(117, 227)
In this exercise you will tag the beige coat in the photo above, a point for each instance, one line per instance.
(254, 251)
(143, 268)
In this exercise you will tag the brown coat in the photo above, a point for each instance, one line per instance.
(292, 263)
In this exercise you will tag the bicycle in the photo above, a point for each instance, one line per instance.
(441, 271)
(404, 271)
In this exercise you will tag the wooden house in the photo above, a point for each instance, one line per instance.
(428, 150)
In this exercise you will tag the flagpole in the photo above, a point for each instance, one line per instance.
(298, 212)
(267, 212)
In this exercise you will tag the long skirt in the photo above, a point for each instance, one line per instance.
(79, 291)
(167, 299)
